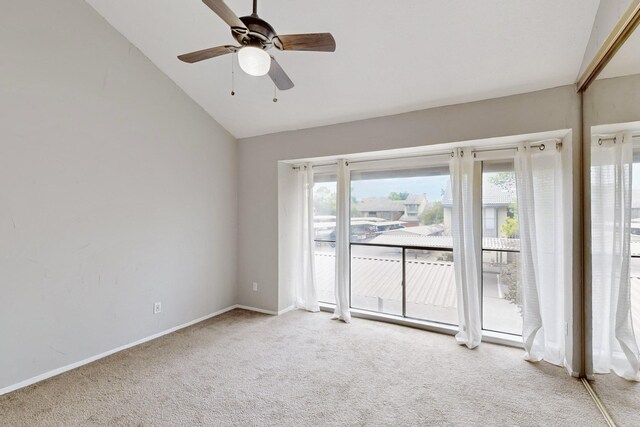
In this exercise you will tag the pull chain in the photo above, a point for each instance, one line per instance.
(275, 95)
(233, 57)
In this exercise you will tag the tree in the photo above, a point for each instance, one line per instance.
(510, 272)
(504, 180)
(324, 201)
(398, 196)
(510, 275)
(445, 256)
(510, 228)
(433, 215)
(354, 201)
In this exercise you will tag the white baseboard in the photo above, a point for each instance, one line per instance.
(286, 310)
(263, 311)
(74, 365)
(257, 310)
(71, 366)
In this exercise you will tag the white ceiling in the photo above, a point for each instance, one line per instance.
(391, 56)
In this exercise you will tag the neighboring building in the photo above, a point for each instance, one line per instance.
(408, 210)
(414, 236)
(414, 206)
(496, 208)
(380, 207)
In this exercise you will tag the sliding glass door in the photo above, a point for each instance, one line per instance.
(634, 268)
(501, 291)
(324, 224)
(401, 246)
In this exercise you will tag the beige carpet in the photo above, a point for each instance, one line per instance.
(620, 397)
(303, 369)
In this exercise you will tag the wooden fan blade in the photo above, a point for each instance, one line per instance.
(203, 54)
(221, 9)
(279, 77)
(317, 42)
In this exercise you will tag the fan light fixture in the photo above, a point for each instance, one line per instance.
(254, 61)
(254, 36)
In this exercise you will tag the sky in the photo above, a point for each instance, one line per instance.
(432, 186)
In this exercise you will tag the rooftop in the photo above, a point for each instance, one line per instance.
(381, 277)
(384, 204)
(408, 239)
(379, 204)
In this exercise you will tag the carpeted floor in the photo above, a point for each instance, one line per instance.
(303, 369)
(620, 397)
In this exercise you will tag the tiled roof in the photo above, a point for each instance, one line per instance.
(379, 204)
(430, 282)
(489, 243)
(421, 230)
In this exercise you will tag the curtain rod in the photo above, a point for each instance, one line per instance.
(614, 138)
(445, 153)
(315, 166)
(538, 144)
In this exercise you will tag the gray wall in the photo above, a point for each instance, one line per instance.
(116, 191)
(546, 110)
(611, 101)
(607, 101)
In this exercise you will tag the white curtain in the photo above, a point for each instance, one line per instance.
(614, 343)
(463, 171)
(305, 285)
(343, 261)
(540, 218)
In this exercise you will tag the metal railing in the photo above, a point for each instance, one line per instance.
(404, 249)
(404, 282)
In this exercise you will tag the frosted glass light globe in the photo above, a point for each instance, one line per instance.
(254, 61)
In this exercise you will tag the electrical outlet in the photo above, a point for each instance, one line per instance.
(255, 286)
(157, 308)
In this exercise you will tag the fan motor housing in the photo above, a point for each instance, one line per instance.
(260, 32)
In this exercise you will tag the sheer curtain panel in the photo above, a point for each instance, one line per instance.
(305, 285)
(463, 173)
(614, 343)
(540, 217)
(343, 261)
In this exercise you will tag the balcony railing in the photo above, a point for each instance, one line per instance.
(416, 282)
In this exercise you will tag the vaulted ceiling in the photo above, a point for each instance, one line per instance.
(391, 57)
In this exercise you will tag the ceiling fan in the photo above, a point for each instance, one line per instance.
(256, 36)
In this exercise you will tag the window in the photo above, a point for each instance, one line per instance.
(401, 248)
(634, 268)
(324, 222)
(401, 258)
(490, 221)
(501, 296)
(412, 209)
